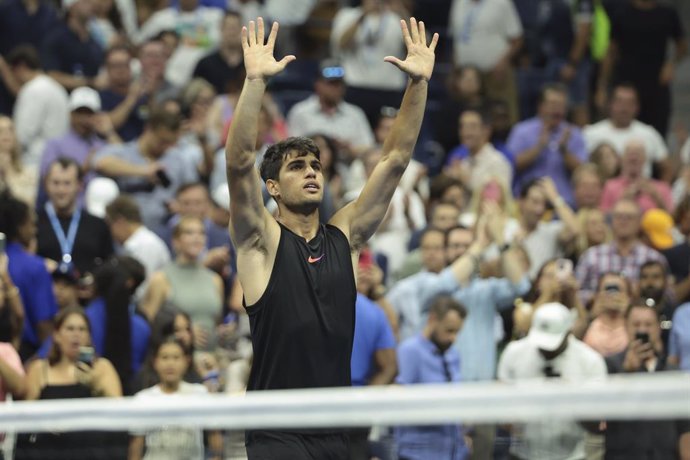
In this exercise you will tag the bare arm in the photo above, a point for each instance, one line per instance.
(684, 446)
(155, 295)
(34, 375)
(386, 366)
(119, 114)
(360, 219)
(116, 167)
(215, 444)
(14, 382)
(249, 218)
(347, 38)
(572, 226)
(136, 448)
(108, 382)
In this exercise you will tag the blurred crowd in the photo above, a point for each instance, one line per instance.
(541, 230)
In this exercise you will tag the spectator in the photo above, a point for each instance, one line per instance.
(22, 182)
(623, 126)
(226, 64)
(124, 99)
(640, 33)
(429, 357)
(548, 351)
(547, 145)
(625, 254)
(171, 363)
(40, 98)
(25, 23)
(607, 161)
(656, 438)
(545, 240)
(66, 288)
(188, 285)
(11, 307)
(488, 35)
(594, 230)
(68, 373)
(606, 333)
(359, 37)
(679, 339)
(654, 290)
(148, 168)
(69, 53)
(124, 219)
(153, 59)
(200, 137)
(198, 29)
(28, 273)
(12, 380)
(89, 131)
(373, 360)
(679, 254)
(477, 159)
(67, 233)
(325, 112)
(631, 184)
(587, 186)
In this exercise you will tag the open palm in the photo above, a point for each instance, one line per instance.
(419, 63)
(258, 57)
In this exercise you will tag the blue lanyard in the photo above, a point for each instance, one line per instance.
(66, 241)
(470, 19)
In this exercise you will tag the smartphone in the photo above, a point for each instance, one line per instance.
(564, 268)
(612, 288)
(86, 355)
(3, 241)
(163, 178)
(642, 337)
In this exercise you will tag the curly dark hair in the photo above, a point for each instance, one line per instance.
(277, 153)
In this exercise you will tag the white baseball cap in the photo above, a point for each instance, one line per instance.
(551, 323)
(85, 98)
(100, 192)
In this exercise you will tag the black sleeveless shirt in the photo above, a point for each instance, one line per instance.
(303, 325)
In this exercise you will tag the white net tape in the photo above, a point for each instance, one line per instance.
(654, 396)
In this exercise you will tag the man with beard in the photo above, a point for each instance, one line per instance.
(430, 358)
(654, 293)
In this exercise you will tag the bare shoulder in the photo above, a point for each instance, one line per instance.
(342, 220)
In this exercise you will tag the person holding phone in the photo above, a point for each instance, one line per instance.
(644, 353)
(72, 370)
(606, 332)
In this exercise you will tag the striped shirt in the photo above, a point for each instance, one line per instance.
(605, 258)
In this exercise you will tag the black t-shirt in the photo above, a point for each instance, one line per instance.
(63, 51)
(303, 325)
(92, 245)
(217, 72)
(134, 125)
(642, 37)
(678, 258)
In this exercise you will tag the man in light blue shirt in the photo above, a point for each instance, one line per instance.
(430, 357)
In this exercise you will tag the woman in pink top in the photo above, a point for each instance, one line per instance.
(648, 193)
(11, 370)
(606, 333)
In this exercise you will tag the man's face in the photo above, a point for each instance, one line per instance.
(446, 330)
(473, 133)
(161, 139)
(433, 248)
(66, 293)
(193, 202)
(62, 186)
(652, 282)
(331, 92)
(553, 108)
(533, 206)
(624, 106)
(459, 240)
(643, 320)
(83, 121)
(231, 31)
(300, 184)
(633, 160)
(118, 68)
(588, 190)
(613, 294)
(445, 216)
(625, 220)
(152, 58)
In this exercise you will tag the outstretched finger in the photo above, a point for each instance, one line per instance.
(252, 33)
(260, 36)
(395, 61)
(434, 42)
(414, 30)
(272, 35)
(245, 38)
(286, 60)
(422, 32)
(406, 33)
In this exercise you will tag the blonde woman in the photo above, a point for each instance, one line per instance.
(594, 230)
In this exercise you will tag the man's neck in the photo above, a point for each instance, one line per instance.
(305, 225)
(625, 245)
(475, 151)
(231, 54)
(328, 106)
(67, 211)
(132, 228)
(620, 124)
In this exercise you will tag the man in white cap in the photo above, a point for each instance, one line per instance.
(550, 350)
(89, 131)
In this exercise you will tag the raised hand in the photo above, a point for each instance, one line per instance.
(419, 63)
(258, 57)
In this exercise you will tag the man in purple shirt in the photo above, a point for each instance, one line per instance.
(89, 131)
(547, 145)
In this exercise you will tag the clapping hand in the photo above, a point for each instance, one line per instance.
(419, 63)
(258, 57)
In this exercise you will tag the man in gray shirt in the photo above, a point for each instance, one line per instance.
(148, 168)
